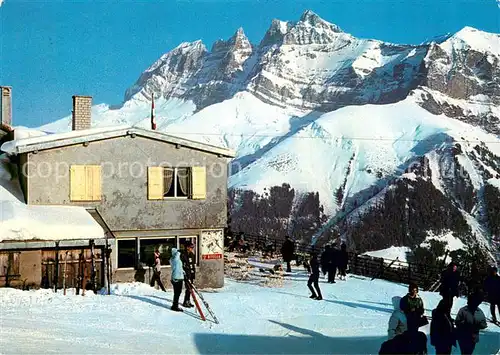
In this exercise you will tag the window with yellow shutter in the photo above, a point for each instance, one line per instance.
(165, 183)
(85, 183)
(198, 183)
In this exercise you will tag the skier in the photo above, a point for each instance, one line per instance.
(413, 307)
(314, 278)
(325, 260)
(329, 263)
(189, 264)
(470, 319)
(442, 329)
(492, 288)
(450, 279)
(177, 278)
(157, 271)
(287, 251)
(343, 259)
(397, 322)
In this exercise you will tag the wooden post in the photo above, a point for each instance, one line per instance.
(92, 266)
(79, 278)
(56, 272)
(64, 272)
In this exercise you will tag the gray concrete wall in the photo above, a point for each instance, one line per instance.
(124, 204)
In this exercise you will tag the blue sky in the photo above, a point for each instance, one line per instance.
(53, 49)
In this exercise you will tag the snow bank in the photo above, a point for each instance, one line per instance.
(20, 222)
(25, 136)
(494, 182)
(452, 243)
(390, 253)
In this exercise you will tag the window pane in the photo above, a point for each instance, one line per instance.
(182, 182)
(168, 185)
(164, 245)
(126, 252)
(182, 240)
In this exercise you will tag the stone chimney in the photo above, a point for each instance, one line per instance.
(82, 106)
(6, 105)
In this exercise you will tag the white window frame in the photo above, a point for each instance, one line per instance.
(162, 237)
(174, 181)
(117, 252)
(138, 248)
(197, 251)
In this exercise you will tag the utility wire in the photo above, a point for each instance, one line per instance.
(331, 137)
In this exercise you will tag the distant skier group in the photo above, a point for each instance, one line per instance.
(404, 336)
(331, 260)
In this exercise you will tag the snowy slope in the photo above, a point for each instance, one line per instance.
(352, 319)
(379, 137)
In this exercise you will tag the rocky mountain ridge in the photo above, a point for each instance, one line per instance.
(312, 64)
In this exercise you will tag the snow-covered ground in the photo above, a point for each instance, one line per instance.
(390, 253)
(352, 319)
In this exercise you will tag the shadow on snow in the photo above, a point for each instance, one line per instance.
(310, 342)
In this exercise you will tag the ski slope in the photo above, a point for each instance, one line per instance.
(352, 319)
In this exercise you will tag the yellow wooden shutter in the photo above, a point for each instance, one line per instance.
(155, 183)
(199, 182)
(96, 183)
(89, 182)
(77, 183)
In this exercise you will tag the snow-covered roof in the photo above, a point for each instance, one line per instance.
(28, 141)
(21, 222)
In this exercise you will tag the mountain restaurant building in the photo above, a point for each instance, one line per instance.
(145, 188)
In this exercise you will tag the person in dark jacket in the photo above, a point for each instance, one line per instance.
(342, 261)
(189, 264)
(413, 307)
(469, 321)
(442, 329)
(450, 280)
(329, 263)
(314, 278)
(287, 251)
(492, 289)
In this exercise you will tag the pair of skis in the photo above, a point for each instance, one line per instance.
(194, 291)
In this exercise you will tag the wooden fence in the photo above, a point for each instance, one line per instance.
(73, 268)
(423, 275)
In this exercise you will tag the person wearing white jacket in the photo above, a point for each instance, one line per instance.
(397, 322)
(177, 278)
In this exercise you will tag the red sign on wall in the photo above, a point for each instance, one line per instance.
(211, 256)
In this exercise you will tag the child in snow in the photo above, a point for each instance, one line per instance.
(177, 278)
(470, 319)
(397, 322)
(314, 278)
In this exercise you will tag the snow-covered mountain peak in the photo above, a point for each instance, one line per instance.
(312, 29)
(275, 33)
(472, 38)
(312, 19)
